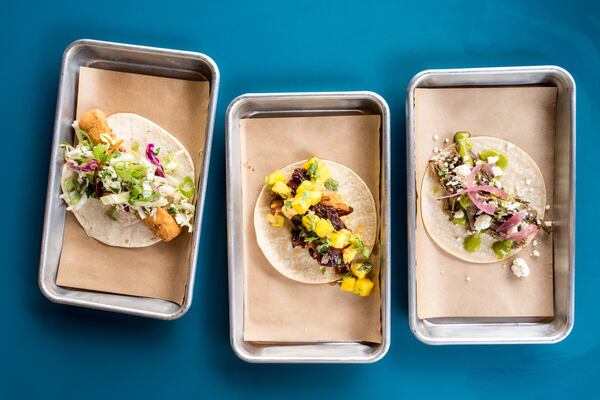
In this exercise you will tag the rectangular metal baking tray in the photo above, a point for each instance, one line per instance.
(301, 104)
(506, 330)
(125, 58)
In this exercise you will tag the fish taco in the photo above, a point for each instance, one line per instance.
(128, 181)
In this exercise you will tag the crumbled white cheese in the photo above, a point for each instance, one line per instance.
(435, 137)
(493, 159)
(520, 268)
(459, 214)
(548, 223)
(547, 206)
(436, 150)
(497, 171)
(482, 222)
(462, 170)
(534, 243)
(511, 206)
(447, 140)
(535, 253)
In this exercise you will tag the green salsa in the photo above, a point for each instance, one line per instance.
(460, 220)
(462, 140)
(472, 242)
(462, 135)
(502, 248)
(502, 162)
(464, 201)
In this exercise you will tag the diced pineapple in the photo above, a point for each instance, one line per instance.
(349, 253)
(363, 287)
(310, 221)
(305, 186)
(323, 227)
(275, 220)
(348, 282)
(340, 239)
(357, 243)
(288, 210)
(301, 203)
(282, 189)
(361, 270)
(275, 177)
(309, 162)
(314, 197)
(323, 173)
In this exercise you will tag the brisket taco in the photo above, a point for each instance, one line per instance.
(483, 199)
(128, 182)
(316, 222)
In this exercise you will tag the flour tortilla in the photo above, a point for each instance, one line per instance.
(128, 230)
(521, 178)
(296, 263)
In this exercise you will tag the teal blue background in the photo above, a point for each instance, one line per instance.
(55, 351)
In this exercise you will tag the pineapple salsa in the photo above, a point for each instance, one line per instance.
(309, 200)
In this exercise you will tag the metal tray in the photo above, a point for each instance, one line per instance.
(506, 330)
(126, 58)
(301, 104)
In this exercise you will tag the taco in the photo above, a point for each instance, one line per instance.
(128, 182)
(483, 199)
(316, 222)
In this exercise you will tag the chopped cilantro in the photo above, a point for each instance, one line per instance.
(322, 248)
(312, 171)
(310, 239)
(331, 184)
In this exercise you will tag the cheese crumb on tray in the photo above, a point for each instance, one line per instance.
(520, 268)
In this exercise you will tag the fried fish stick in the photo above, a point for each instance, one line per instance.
(94, 123)
(163, 224)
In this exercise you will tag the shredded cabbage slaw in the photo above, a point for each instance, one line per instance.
(126, 180)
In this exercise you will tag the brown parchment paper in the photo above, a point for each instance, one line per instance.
(160, 271)
(447, 286)
(278, 309)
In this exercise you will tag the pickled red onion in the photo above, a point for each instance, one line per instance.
(513, 221)
(483, 188)
(486, 208)
(523, 234)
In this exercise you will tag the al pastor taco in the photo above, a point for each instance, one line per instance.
(316, 222)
